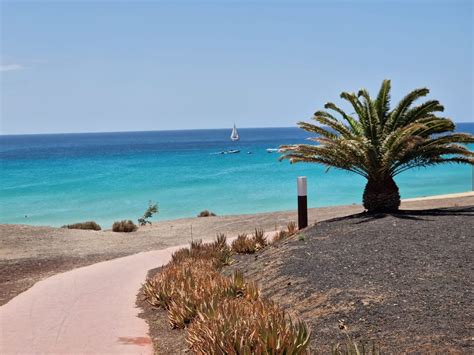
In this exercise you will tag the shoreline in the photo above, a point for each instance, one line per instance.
(439, 197)
(179, 219)
(414, 199)
(29, 254)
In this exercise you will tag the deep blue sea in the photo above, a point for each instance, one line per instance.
(65, 178)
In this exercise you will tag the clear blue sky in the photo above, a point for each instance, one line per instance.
(91, 66)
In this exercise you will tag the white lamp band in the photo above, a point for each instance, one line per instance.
(302, 186)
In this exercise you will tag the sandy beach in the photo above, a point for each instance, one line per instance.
(29, 254)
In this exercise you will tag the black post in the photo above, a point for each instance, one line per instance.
(302, 203)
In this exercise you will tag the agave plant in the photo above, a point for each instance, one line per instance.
(379, 143)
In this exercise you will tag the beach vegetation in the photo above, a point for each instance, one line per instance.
(218, 252)
(249, 244)
(125, 226)
(378, 142)
(206, 213)
(222, 315)
(260, 239)
(353, 348)
(242, 326)
(291, 229)
(150, 211)
(280, 235)
(89, 225)
(244, 244)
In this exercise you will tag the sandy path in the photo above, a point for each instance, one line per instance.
(86, 310)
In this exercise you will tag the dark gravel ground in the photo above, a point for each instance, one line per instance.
(403, 281)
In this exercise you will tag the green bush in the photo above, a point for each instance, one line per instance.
(125, 226)
(150, 211)
(89, 225)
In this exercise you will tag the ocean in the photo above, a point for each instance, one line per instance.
(65, 178)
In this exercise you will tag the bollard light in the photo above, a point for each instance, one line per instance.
(302, 202)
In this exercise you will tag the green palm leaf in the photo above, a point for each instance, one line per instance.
(383, 101)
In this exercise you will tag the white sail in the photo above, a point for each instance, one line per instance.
(235, 135)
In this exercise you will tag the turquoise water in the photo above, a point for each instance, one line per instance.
(59, 179)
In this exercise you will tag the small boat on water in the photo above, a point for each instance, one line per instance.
(272, 150)
(234, 135)
(232, 151)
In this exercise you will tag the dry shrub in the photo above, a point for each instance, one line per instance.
(353, 348)
(260, 239)
(291, 229)
(218, 252)
(206, 213)
(89, 225)
(242, 326)
(125, 226)
(200, 294)
(192, 282)
(244, 245)
(280, 235)
(226, 315)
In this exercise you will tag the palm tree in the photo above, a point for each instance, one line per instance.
(379, 143)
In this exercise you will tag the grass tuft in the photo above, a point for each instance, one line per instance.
(260, 239)
(291, 227)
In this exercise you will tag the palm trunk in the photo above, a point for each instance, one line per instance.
(381, 195)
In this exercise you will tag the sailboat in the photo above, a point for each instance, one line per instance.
(235, 135)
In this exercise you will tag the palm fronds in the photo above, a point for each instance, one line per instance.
(378, 142)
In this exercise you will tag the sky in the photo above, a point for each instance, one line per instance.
(102, 66)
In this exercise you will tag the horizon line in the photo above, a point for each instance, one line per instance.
(160, 130)
(141, 131)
